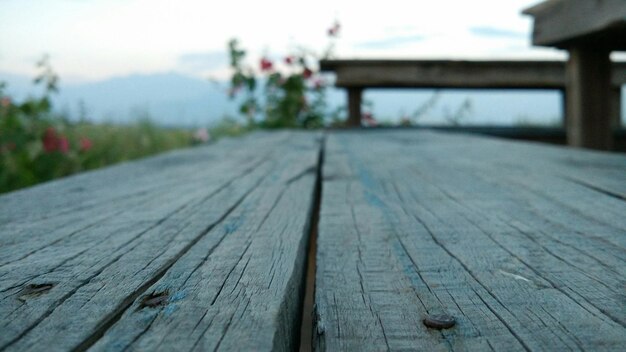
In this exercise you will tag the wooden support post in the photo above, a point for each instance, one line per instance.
(588, 89)
(564, 108)
(616, 107)
(354, 107)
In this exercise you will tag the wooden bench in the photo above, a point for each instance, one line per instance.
(357, 75)
(589, 30)
(208, 248)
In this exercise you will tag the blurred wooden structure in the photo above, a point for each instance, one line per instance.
(357, 75)
(589, 30)
(208, 248)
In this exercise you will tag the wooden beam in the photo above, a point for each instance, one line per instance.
(455, 74)
(560, 23)
(588, 91)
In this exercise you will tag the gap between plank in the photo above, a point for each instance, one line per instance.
(308, 302)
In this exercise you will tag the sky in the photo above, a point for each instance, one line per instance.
(91, 40)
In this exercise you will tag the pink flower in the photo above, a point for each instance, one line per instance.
(5, 102)
(318, 84)
(201, 135)
(50, 140)
(334, 30)
(307, 73)
(85, 144)
(368, 119)
(266, 64)
(64, 144)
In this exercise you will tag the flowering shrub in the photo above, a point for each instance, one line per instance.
(36, 145)
(33, 145)
(293, 93)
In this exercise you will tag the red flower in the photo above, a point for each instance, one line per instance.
(289, 60)
(307, 73)
(50, 140)
(266, 65)
(64, 144)
(85, 144)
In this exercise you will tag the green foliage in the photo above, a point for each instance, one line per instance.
(228, 127)
(36, 145)
(291, 96)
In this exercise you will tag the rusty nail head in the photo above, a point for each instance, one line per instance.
(439, 321)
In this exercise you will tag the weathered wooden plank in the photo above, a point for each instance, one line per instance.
(561, 22)
(44, 235)
(65, 206)
(603, 172)
(170, 204)
(415, 223)
(456, 74)
(239, 287)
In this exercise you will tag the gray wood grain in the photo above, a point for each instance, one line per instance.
(475, 74)
(103, 239)
(507, 237)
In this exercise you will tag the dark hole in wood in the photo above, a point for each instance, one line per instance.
(34, 290)
(154, 299)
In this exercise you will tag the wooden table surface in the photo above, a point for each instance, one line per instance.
(206, 248)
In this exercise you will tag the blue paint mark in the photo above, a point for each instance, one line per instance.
(410, 271)
(370, 184)
(372, 199)
(233, 225)
(366, 179)
(230, 227)
(170, 309)
(178, 296)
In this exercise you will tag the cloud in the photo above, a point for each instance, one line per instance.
(197, 62)
(390, 42)
(496, 32)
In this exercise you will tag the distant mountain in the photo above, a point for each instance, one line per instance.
(175, 99)
(168, 98)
